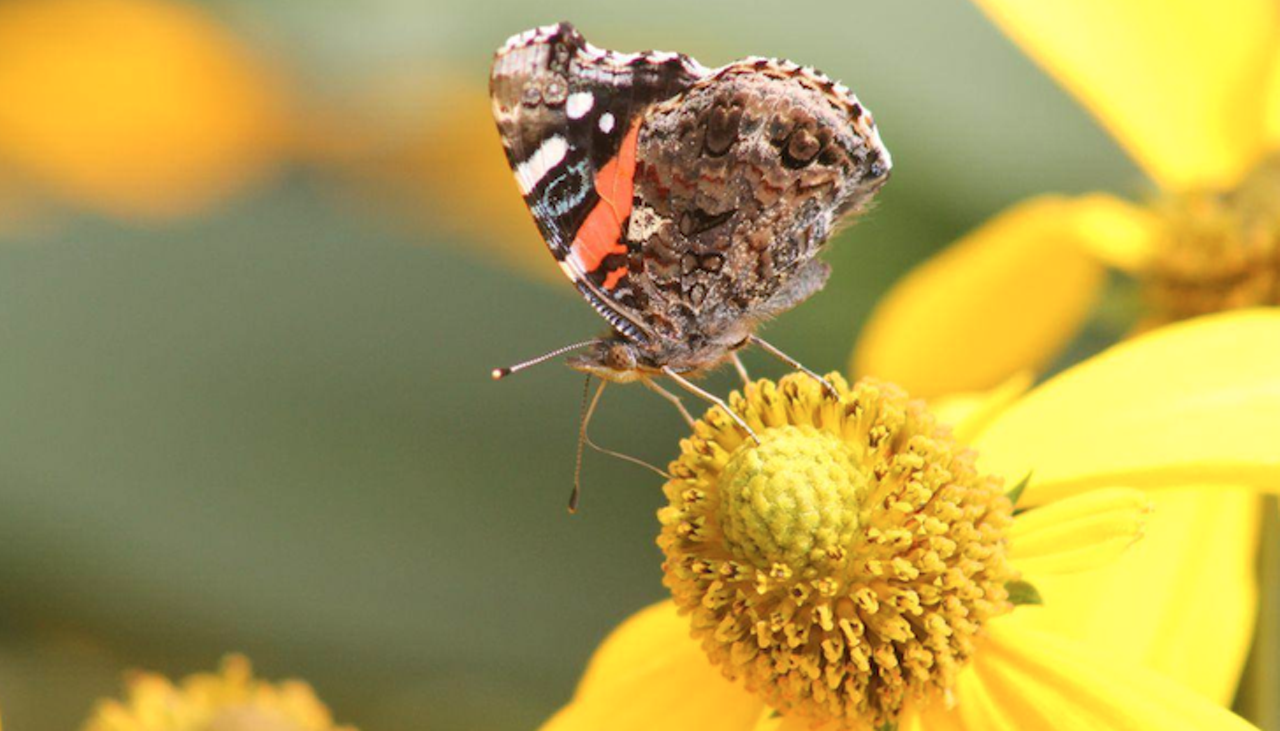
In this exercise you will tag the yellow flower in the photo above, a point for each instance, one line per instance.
(142, 109)
(1192, 92)
(862, 566)
(231, 700)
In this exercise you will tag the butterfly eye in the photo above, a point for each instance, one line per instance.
(621, 357)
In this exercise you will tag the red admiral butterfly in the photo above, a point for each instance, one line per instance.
(686, 204)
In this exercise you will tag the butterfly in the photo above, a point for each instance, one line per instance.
(686, 204)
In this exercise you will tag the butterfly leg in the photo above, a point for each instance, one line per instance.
(742, 370)
(588, 410)
(674, 399)
(693, 388)
(795, 364)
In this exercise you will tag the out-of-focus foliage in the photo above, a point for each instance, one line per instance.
(257, 259)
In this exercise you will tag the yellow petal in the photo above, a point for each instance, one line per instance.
(1175, 81)
(910, 721)
(1005, 298)
(771, 721)
(976, 707)
(1180, 602)
(1119, 233)
(1036, 680)
(970, 413)
(1193, 403)
(650, 674)
(1080, 532)
(1272, 96)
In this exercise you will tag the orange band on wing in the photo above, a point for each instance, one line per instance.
(601, 233)
(614, 277)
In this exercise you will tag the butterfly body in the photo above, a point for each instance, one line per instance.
(686, 204)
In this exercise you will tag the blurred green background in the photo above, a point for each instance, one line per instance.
(248, 314)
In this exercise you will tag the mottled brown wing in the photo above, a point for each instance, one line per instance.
(740, 181)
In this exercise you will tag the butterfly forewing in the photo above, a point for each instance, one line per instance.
(568, 114)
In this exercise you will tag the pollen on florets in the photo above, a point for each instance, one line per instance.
(843, 567)
(1217, 250)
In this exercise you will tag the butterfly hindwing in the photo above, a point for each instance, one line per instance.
(568, 114)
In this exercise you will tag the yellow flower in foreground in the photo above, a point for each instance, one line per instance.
(861, 566)
(1192, 91)
(230, 700)
(136, 108)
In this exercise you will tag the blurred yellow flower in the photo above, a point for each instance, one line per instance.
(459, 167)
(435, 155)
(143, 109)
(230, 700)
(1192, 91)
(860, 566)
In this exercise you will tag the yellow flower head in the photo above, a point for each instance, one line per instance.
(844, 566)
(1215, 249)
(860, 566)
(230, 700)
(1191, 91)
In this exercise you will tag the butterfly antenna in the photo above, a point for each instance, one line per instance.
(588, 410)
(501, 373)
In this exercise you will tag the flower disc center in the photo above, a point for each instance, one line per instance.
(843, 567)
(793, 497)
(1219, 250)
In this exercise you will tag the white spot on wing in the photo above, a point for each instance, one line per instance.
(606, 122)
(645, 222)
(579, 104)
(546, 157)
